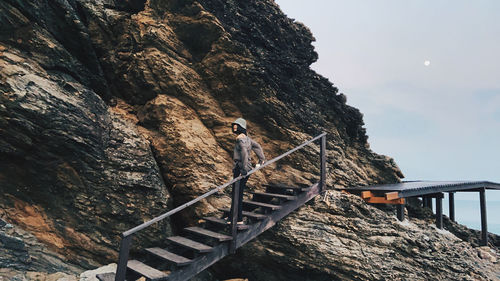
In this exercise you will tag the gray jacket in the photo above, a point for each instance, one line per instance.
(242, 149)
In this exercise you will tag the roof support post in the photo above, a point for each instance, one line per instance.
(484, 223)
(424, 201)
(400, 209)
(451, 201)
(439, 211)
(427, 199)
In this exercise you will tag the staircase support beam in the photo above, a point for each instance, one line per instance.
(269, 222)
(222, 250)
(200, 264)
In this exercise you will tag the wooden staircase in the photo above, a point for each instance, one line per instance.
(198, 247)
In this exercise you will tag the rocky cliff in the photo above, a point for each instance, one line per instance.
(24, 257)
(112, 112)
(339, 237)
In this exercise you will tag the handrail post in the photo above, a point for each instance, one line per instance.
(322, 186)
(234, 216)
(121, 269)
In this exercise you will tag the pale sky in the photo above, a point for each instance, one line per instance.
(439, 121)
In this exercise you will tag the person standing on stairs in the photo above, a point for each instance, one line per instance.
(242, 160)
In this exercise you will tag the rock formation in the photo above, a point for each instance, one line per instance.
(23, 257)
(339, 237)
(112, 112)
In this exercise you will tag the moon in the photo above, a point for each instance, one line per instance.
(427, 62)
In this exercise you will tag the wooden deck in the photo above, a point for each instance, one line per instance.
(427, 191)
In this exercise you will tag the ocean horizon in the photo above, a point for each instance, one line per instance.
(467, 212)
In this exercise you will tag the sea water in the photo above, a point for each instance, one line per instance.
(468, 212)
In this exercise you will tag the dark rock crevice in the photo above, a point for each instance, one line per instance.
(36, 24)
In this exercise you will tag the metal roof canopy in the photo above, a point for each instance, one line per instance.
(419, 188)
(430, 189)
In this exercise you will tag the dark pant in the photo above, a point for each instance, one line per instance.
(243, 182)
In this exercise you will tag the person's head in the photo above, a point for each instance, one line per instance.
(239, 126)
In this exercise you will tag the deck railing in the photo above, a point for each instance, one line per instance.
(127, 236)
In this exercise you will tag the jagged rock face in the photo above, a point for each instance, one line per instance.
(71, 166)
(339, 237)
(23, 257)
(113, 113)
(461, 231)
(207, 57)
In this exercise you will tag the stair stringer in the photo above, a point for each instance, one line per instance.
(244, 237)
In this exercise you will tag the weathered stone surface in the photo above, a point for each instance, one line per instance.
(24, 257)
(488, 254)
(206, 56)
(342, 238)
(71, 166)
(461, 231)
(90, 275)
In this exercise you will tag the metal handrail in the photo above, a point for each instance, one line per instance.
(127, 235)
(185, 205)
(178, 209)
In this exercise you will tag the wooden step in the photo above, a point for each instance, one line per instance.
(283, 186)
(260, 204)
(222, 222)
(190, 244)
(275, 195)
(168, 256)
(145, 270)
(208, 233)
(246, 214)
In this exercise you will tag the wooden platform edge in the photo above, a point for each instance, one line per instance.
(382, 200)
(367, 194)
(391, 195)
